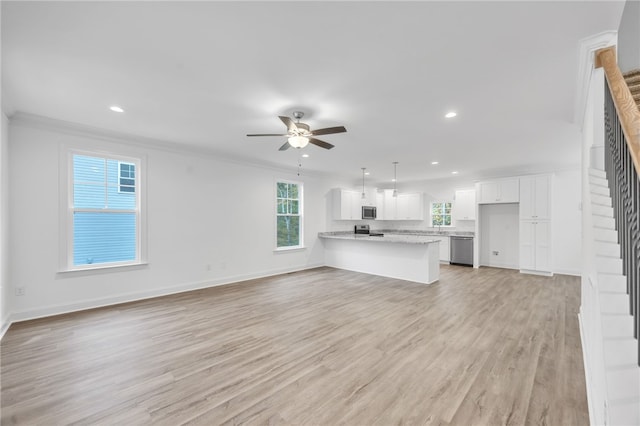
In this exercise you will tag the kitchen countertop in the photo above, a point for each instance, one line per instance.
(389, 237)
(396, 232)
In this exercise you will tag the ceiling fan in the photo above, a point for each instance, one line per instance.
(299, 134)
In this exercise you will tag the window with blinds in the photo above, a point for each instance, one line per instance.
(104, 211)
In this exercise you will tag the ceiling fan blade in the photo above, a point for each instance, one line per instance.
(270, 134)
(321, 144)
(329, 130)
(289, 123)
(285, 147)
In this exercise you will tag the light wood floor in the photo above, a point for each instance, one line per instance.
(323, 347)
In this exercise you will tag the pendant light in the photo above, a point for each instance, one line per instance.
(395, 178)
(363, 169)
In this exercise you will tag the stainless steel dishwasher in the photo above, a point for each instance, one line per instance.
(461, 250)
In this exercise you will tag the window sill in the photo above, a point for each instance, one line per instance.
(103, 269)
(288, 249)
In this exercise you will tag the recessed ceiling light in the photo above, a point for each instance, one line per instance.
(367, 173)
(454, 173)
(116, 108)
(450, 114)
(305, 155)
(393, 180)
(433, 163)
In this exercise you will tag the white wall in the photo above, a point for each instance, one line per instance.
(201, 211)
(566, 231)
(5, 287)
(590, 316)
(499, 230)
(629, 37)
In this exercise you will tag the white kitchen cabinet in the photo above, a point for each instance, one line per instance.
(347, 204)
(409, 206)
(464, 206)
(370, 197)
(444, 247)
(380, 206)
(535, 247)
(406, 206)
(535, 197)
(390, 204)
(499, 191)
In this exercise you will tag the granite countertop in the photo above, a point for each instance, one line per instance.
(387, 238)
(444, 233)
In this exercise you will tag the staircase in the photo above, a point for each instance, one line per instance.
(633, 81)
(622, 373)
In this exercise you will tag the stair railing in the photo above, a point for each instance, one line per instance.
(622, 164)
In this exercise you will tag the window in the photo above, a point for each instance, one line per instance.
(103, 217)
(441, 214)
(288, 215)
(127, 177)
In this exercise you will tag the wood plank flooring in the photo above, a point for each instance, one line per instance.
(320, 347)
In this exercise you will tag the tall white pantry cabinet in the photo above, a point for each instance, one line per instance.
(535, 224)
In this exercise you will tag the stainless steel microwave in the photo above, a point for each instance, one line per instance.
(368, 212)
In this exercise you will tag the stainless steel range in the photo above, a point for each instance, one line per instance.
(364, 230)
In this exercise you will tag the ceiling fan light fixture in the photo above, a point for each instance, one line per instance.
(298, 141)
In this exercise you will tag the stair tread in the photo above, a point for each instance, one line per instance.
(633, 75)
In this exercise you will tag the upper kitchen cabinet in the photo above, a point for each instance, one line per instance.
(535, 197)
(499, 191)
(406, 206)
(380, 205)
(464, 206)
(409, 207)
(347, 204)
(370, 197)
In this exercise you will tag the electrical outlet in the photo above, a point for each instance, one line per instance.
(20, 291)
(495, 252)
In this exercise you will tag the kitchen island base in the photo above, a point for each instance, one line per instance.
(406, 261)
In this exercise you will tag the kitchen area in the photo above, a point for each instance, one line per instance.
(388, 236)
(504, 223)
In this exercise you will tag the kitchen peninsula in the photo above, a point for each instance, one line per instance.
(411, 257)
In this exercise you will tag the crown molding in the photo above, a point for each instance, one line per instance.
(75, 129)
(586, 62)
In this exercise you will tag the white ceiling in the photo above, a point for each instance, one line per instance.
(205, 74)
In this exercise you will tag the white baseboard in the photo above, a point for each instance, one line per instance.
(132, 297)
(4, 326)
(587, 371)
(573, 272)
(542, 273)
